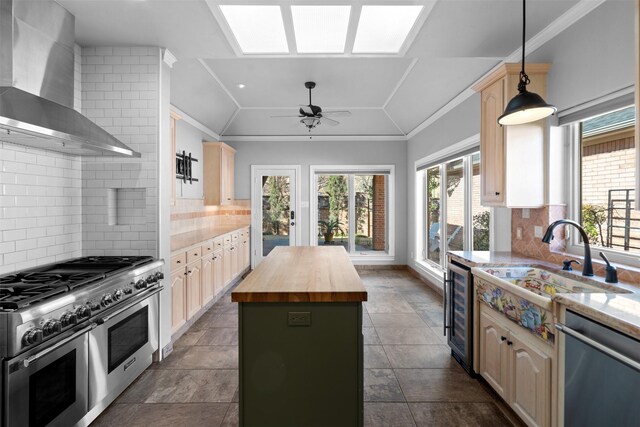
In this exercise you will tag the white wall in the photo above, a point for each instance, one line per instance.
(189, 139)
(306, 153)
(590, 59)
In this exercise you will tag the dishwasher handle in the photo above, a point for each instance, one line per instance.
(600, 347)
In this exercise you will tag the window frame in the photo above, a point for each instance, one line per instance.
(373, 257)
(440, 159)
(573, 244)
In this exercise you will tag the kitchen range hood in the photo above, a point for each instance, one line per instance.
(37, 83)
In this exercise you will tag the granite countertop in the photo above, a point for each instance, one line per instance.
(190, 238)
(616, 310)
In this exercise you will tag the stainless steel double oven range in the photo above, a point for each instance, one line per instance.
(74, 335)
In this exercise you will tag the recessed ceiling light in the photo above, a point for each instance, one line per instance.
(320, 29)
(241, 85)
(383, 29)
(257, 28)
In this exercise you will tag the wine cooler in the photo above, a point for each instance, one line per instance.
(458, 314)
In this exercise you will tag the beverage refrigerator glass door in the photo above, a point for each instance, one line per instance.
(48, 385)
(458, 306)
(121, 348)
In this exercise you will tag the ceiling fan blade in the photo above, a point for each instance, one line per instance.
(328, 121)
(336, 113)
(285, 116)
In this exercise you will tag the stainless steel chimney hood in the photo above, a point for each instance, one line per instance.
(37, 83)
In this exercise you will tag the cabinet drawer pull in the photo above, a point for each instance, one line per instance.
(195, 254)
(503, 338)
(509, 343)
(178, 262)
(497, 193)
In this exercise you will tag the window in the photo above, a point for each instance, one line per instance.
(452, 217)
(604, 189)
(352, 207)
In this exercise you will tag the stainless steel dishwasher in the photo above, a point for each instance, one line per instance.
(602, 375)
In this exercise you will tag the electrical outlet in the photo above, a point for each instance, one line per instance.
(537, 231)
(299, 318)
(519, 233)
(525, 213)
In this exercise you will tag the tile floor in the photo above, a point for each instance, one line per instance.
(410, 378)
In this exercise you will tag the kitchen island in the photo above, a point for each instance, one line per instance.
(300, 336)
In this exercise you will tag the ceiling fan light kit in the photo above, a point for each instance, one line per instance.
(526, 106)
(312, 115)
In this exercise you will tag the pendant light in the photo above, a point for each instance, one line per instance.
(526, 106)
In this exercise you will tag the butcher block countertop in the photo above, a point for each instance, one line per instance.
(303, 274)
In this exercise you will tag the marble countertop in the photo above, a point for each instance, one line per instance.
(190, 238)
(616, 310)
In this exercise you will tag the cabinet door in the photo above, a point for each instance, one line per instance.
(178, 300)
(207, 279)
(218, 279)
(530, 387)
(235, 262)
(494, 354)
(246, 251)
(226, 177)
(492, 146)
(194, 288)
(226, 265)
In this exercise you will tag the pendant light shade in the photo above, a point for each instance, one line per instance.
(526, 106)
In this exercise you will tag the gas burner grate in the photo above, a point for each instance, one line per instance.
(19, 296)
(107, 260)
(41, 278)
(79, 277)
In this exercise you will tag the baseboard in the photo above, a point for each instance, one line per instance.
(380, 267)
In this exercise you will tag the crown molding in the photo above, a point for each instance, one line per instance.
(193, 122)
(564, 21)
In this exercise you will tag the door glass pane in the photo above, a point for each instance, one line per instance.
(333, 210)
(370, 223)
(128, 336)
(433, 213)
(459, 310)
(455, 205)
(480, 214)
(275, 212)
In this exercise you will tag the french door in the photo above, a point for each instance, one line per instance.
(274, 210)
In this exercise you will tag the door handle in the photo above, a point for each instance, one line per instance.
(293, 215)
(293, 223)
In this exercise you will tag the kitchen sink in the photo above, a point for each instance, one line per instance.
(524, 294)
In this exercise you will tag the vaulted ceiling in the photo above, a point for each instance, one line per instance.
(453, 43)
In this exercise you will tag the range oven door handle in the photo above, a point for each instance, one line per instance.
(140, 297)
(600, 347)
(29, 360)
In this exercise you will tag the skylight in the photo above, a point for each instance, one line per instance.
(320, 29)
(259, 29)
(383, 29)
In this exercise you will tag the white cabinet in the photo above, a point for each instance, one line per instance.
(511, 157)
(516, 368)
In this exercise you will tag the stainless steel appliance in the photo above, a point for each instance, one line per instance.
(601, 375)
(458, 313)
(51, 315)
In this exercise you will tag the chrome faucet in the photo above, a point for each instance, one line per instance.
(587, 268)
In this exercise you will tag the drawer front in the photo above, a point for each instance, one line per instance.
(208, 247)
(194, 254)
(218, 243)
(178, 261)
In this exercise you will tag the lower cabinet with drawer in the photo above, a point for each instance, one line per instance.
(516, 367)
(201, 272)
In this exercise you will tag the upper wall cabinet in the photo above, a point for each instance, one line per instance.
(512, 157)
(219, 161)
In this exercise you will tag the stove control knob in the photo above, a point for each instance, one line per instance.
(83, 312)
(32, 336)
(151, 279)
(128, 291)
(106, 300)
(94, 306)
(118, 294)
(141, 284)
(51, 327)
(68, 319)
(159, 275)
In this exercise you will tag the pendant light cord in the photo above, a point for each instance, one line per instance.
(524, 79)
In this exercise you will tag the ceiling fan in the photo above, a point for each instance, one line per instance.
(312, 115)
